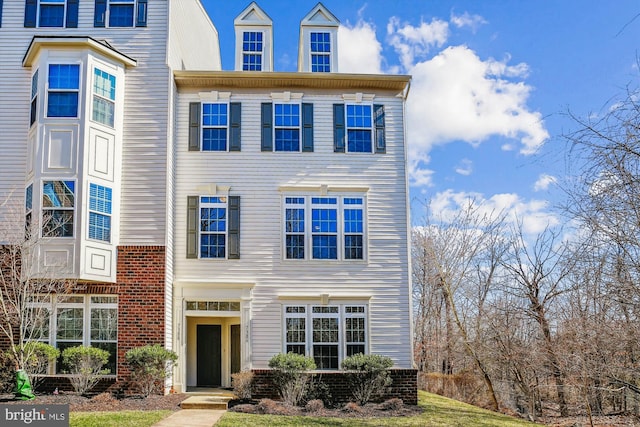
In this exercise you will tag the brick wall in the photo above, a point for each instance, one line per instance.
(404, 386)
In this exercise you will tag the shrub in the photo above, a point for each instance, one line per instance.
(241, 382)
(290, 377)
(368, 376)
(85, 366)
(40, 356)
(271, 407)
(315, 405)
(394, 404)
(352, 407)
(150, 367)
(7, 372)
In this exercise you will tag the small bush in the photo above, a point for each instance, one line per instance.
(7, 372)
(150, 367)
(40, 356)
(271, 407)
(368, 376)
(352, 407)
(394, 404)
(319, 390)
(104, 398)
(290, 377)
(315, 405)
(241, 382)
(85, 366)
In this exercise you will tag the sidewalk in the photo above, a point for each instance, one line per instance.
(192, 418)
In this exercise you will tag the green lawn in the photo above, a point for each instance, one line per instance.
(117, 419)
(439, 412)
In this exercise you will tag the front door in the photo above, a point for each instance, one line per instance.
(208, 357)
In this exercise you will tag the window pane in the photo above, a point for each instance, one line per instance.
(104, 84)
(212, 246)
(70, 324)
(62, 104)
(296, 330)
(51, 15)
(121, 15)
(60, 367)
(103, 111)
(359, 141)
(99, 227)
(214, 114)
(326, 356)
(64, 76)
(104, 324)
(214, 139)
(295, 246)
(112, 348)
(252, 62)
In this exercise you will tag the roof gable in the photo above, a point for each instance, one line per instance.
(320, 16)
(253, 15)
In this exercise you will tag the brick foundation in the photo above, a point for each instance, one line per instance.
(404, 386)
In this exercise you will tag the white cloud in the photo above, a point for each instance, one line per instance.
(412, 42)
(465, 167)
(533, 214)
(544, 181)
(360, 51)
(467, 20)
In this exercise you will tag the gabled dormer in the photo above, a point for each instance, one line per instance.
(254, 40)
(318, 49)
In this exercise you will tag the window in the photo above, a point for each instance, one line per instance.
(213, 305)
(287, 127)
(320, 52)
(58, 202)
(286, 123)
(328, 333)
(65, 321)
(336, 231)
(63, 90)
(99, 213)
(28, 208)
(51, 13)
(104, 96)
(213, 227)
(214, 127)
(120, 13)
(33, 113)
(252, 51)
(359, 128)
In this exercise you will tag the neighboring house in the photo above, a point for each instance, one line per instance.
(229, 215)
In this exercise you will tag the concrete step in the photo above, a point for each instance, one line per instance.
(206, 402)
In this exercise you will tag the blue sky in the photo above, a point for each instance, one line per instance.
(492, 82)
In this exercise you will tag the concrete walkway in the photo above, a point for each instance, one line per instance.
(192, 418)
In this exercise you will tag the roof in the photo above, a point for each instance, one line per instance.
(100, 46)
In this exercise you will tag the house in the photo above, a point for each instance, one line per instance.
(228, 215)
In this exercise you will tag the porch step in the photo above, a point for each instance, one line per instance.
(206, 402)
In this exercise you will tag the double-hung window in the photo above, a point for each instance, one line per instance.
(328, 333)
(51, 13)
(65, 321)
(100, 212)
(320, 52)
(33, 111)
(58, 203)
(63, 90)
(104, 97)
(120, 13)
(324, 228)
(213, 227)
(252, 50)
(214, 127)
(287, 127)
(28, 208)
(359, 128)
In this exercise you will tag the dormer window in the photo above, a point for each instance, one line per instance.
(320, 52)
(252, 48)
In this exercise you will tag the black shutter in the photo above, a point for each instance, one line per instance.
(100, 13)
(0, 13)
(141, 14)
(194, 126)
(235, 113)
(267, 127)
(30, 12)
(192, 226)
(72, 13)
(378, 114)
(307, 127)
(234, 227)
(338, 128)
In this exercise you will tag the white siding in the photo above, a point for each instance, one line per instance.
(193, 40)
(256, 177)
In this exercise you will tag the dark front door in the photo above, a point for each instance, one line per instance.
(208, 358)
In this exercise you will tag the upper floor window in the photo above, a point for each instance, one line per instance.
(120, 13)
(213, 227)
(320, 52)
(214, 127)
(58, 203)
(104, 96)
(28, 207)
(100, 212)
(33, 111)
(359, 128)
(63, 90)
(332, 227)
(51, 13)
(252, 48)
(287, 127)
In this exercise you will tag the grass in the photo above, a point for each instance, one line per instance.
(117, 419)
(438, 412)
